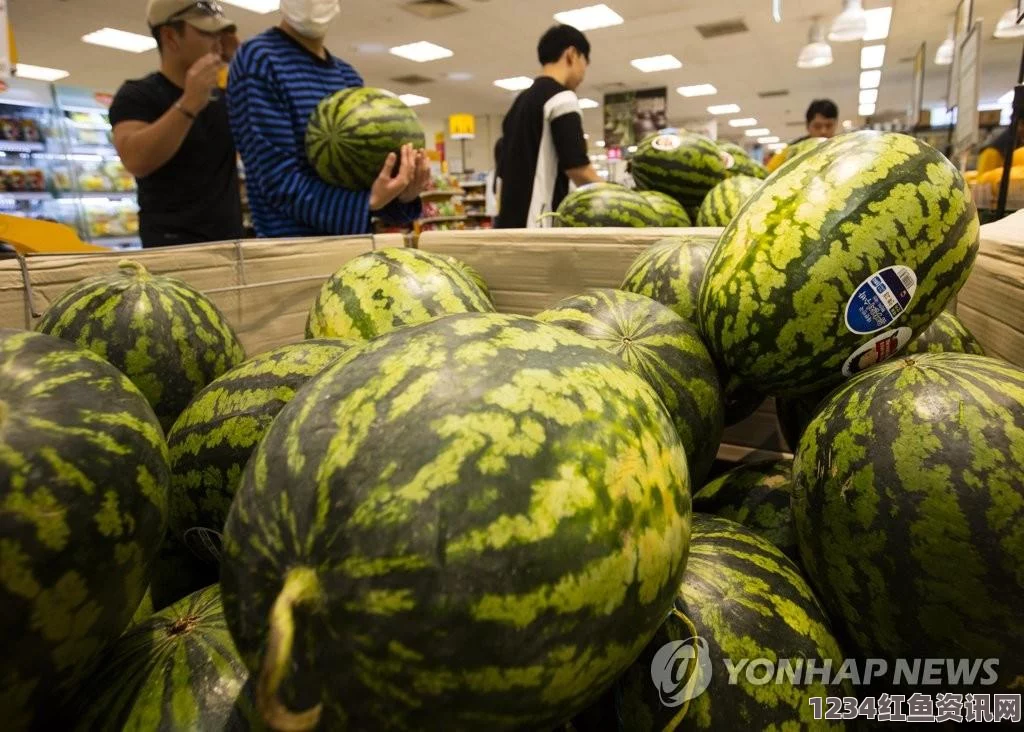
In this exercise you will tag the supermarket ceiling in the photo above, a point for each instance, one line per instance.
(495, 39)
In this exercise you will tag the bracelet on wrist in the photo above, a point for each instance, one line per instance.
(181, 108)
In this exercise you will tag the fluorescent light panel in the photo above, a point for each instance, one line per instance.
(724, 109)
(41, 73)
(866, 110)
(656, 63)
(872, 57)
(515, 83)
(697, 90)
(870, 79)
(460, 76)
(261, 7)
(767, 140)
(776, 146)
(759, 132)
(590, 18)
(868, 96)
(121, 40)
(589, 103)
(878, 24)
(422, 51)
(414, 100)
(745, 122)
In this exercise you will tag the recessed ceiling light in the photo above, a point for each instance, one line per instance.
(41, 73)
(589, 103)
(872, 57)
(422, 51)
(745, 122)
(697, 90)
(866, 110)
(759, 132)
(767, 140)
(870, 79)
(121, 40)
(599, 143)
(414, 100)
(724, 109)
(868, 96)
(656, 63)
(371, 47)
(776, 146)
(590, 17)
(878, 24)
(460, 76)
(256, 6)
(515, 83)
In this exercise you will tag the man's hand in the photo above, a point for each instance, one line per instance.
(420, 180)
(387, 188)
(200, 81)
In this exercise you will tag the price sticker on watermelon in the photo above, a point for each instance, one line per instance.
(880, 299)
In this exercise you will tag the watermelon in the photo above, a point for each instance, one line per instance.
(789, 303)
(352, 132)
(908, 502)
(666, 351)
(669, 210)
(486, 516)
(386, 289)
(177, 670)
(726, 199)
(470, 272)
(685, 166)
(144, 610)
(606, 204)
(741, 598)
(169, 338)
(802, 147)
(83, 491)
(946, 334)
(756, 495)
(743, 163)
(209, 446)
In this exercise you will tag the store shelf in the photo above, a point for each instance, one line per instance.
(478, 215)
(476, 199)
(113, 195)
(27, 195)
(106, 151)
(13, 146)
(118, 242)
(443, 194)
(442, 219)
(89, 127)
(474, 184)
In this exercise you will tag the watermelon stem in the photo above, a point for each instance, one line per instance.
(548, 215)
(300, 586)
(138, 269)
(677, 720)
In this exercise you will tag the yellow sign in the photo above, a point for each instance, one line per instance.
(462, 126)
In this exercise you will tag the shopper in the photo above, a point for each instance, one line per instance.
(277, 79)
(172, 133)
(493, 190)
(822, 121)
(544, 146)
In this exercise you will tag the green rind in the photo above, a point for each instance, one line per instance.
(726, 200)
(166, 336)
(909, 508)
(470, 272)
(743, 164)
(178, 670)
(756, 495)
(606, 204)
(670, 271)
(669, 210)
(774, 295)
(83, 509)
(210, 445)
(747, 600)
(666, 351)
(352, 132)
(497, 514)
(687, 173)
(380, 291)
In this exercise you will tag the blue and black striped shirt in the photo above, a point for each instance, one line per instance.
(274, 88)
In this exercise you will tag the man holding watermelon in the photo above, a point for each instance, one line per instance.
(277, 80)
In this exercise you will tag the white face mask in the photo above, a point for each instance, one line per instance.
(310, 18)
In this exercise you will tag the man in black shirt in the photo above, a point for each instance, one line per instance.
(544, 146)
(172, 133)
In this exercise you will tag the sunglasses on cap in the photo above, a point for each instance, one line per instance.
(206, 7)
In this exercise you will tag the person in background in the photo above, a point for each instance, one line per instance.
(822, 121)
(493, 191)
(277, 80)
(171, 130)
(990, 157)
(544, 146)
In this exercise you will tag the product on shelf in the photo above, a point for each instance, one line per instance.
(62, 178)
(10, 130)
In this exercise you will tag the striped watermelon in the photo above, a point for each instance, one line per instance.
(83, 508)
(470, 272)
(908, 504)
(144, 610)
(792, 152)
(726, 199)
(606, 204)
(669, 210)
(386, 289)
(485, 515)
(756, 495)
(743, 164)
(741, 598)
(178, 670)
(209, 446)
(352, 131)
(169, 338)
(788, 303)
(666, 351)
(686, 166)
(946, 334)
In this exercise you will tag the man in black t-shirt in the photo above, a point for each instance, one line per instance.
(172, 133)
(544, 147)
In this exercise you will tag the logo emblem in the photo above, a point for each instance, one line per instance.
(666, 143)
(681, 670)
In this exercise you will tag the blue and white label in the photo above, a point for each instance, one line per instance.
(881, 299)
(878, 349)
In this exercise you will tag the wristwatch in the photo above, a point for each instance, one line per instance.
(180, 108)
